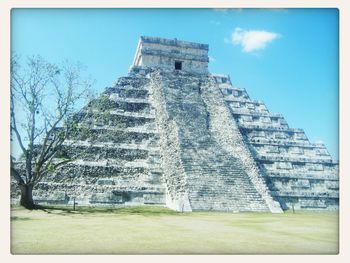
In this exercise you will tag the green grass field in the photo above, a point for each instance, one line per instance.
(156, 230)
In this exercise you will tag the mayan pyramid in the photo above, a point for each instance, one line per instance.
(171, 133)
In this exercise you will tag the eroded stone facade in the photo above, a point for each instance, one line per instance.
(164, 53)
(190, 140)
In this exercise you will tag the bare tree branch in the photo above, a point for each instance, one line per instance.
(43, 102)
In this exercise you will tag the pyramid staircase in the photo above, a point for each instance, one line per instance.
(215, 179)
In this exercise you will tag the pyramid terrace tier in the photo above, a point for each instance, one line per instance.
(297, 166)
(99, 193)
(135, 82)
(232, 94)
(306, 194)
(251, 103)
(146, 145)
(238, 112)
(115, 135)
(257, 141)
(319, 203)
(273, 133)
(103, 151)
(267, 127)
(312, 199)
(266, 132)
(259, 118)
(113, 102)
(84, 169)
(298, 159)
(248, 107)
(119, 118)
(135, 174)
(273, 137)
(260, 121)
(127, 92)
(104, 184)
(319, 175)
(320, 185)
(92, 170)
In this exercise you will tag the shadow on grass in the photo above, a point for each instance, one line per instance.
(17, 218)
(134, 210)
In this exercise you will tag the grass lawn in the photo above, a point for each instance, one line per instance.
(157, 230)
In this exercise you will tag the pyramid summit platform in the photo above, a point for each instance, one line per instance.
(171, 133)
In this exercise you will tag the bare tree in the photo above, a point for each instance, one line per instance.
(44, 99)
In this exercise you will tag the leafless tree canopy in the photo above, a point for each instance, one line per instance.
(44, 98)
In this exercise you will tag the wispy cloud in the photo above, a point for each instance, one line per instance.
(317, 139)
(223, 10)
(279, 10)
(252, 40)
(211, 59)
(240, 10)
(226, 10)
(215, 22)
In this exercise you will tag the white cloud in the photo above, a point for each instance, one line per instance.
(252, 40)
(211, 59)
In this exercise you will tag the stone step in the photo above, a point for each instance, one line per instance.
(126, 88)
(298, 159)
(309, 194)
(129, 93)
(268, 128)
(108, 167)
(118, 135)
(118, 120)
(131, 114)
(129, 81)
(305, 175)
(146, 145)
(126, 104)
(253, 112)
(130, 100)
(101, 153)
(119, 115)
(285, 143)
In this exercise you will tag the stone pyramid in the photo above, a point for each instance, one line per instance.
(171, 133)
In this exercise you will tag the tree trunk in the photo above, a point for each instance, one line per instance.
(27, 196)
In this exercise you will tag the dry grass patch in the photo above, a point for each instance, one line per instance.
(157, 230)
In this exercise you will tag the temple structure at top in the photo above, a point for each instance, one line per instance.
(172, 54)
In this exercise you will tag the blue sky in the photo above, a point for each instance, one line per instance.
(287, 58)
